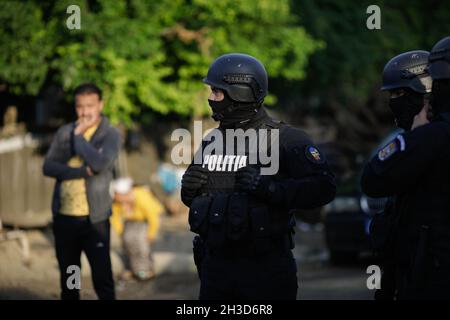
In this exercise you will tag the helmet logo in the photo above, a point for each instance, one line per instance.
(237, 78)
(414, 71)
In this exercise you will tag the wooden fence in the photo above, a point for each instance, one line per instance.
(25, 194)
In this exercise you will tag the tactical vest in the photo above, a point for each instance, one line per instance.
(227, 218)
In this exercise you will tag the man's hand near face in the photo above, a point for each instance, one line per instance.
(89, 172)
(83, 124)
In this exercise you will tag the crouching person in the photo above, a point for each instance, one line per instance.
(136, 218)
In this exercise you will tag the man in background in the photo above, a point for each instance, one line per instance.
(81, 159)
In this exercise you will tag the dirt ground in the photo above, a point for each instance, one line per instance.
(176, 274)
(38, 278)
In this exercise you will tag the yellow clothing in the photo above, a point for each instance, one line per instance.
(146, 209)
(73, 192)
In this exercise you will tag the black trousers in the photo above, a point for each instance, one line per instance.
(74, 235)
(269, 277)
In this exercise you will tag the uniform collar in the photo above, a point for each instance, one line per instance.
(256, 121)
(445, 116)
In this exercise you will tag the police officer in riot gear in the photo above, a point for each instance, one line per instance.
(405, 78)
(243, 216)
(407, 82)
(439, 69)
(414, 167)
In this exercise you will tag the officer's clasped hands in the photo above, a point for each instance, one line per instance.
(249, 179)
(193, 179)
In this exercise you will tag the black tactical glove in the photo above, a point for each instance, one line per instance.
(193, 179)
(250, 180)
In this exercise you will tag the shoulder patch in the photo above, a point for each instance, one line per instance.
(313, 154)
(388, 150)
(398, 144)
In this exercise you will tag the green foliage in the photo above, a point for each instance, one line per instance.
(26, 45)
(152, 55)
(343, 79)
(350, 67)
(147, 54)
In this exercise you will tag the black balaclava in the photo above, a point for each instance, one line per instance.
(440, 98)
(406, 107)
(232, 114)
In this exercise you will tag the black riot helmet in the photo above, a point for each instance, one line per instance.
(241, 76)
(439, 66)
(408, 70)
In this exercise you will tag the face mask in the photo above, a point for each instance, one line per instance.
(405, 108)
(221, 108)
(440, 98)
(232, 114)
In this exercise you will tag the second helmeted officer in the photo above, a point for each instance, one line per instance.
(407, 82)
(415, 166)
